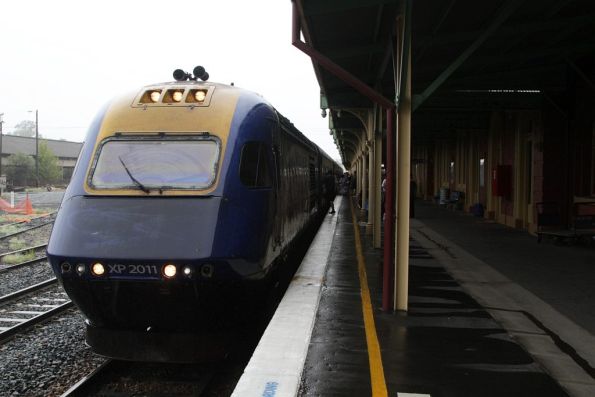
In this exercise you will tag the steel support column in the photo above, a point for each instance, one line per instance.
(358, 175)
(378, 191)
(389, 204)
(373, 188)
(402, 70)
(403, 188)
(364, 183)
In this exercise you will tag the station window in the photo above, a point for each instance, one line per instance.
(254, 170)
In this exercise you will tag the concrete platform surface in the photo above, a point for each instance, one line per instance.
(471, 330)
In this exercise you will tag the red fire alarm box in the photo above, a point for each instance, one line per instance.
(502, 181)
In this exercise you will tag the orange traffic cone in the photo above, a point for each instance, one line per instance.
(28, 206)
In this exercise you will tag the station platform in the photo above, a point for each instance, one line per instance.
(469, 330)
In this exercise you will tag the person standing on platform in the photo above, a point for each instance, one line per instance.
(330, 189)
(412, 195)
(344, 184)
(383, 193)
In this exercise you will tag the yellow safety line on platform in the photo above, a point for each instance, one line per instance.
(374, 356)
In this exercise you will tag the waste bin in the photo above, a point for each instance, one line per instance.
(444, 192)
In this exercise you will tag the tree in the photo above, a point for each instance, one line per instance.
(19, 169)
(49, 169)
(25, 128)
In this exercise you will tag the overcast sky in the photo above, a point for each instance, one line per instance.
(68, 58)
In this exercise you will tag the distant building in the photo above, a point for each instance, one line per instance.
(66, 151)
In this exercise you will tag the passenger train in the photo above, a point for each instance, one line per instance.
(186, 198)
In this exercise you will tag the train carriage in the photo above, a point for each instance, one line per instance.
(185, 199)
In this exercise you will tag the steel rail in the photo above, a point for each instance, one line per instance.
(22, 250)
(27, 290)
(22, 264)
(25, 323)
(25, 230)
(9, 268)
(84, 386)
(100, 376)
(20, 327)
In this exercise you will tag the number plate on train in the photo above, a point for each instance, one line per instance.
(120, 270)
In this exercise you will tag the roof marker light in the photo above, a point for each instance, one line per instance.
(154, 96)
(177, 96)
(200, 95)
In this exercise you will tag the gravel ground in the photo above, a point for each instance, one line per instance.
(38, 236)
(23, 277)
(47, 360)
(139, 379)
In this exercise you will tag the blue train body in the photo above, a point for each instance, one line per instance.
(215, 191)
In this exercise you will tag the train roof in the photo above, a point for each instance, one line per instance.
(214, 102)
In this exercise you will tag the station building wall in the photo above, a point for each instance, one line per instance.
(523, 158)
(471, 160)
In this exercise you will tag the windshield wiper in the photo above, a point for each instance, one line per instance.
(136, 181)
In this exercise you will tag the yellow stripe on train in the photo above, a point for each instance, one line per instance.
(128, 115)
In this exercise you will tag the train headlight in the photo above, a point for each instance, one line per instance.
(65, 267)
(177, 96)
(97, 269)
(187, 270)
(169, 271)
(154, 96)
(206, 270)
(200, 96)
(81, 268)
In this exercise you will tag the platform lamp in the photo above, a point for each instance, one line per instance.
(36, 146)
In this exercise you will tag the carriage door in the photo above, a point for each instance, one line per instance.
(278, 205)
(313, 184)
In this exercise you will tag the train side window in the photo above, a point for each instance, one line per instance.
(254, 169)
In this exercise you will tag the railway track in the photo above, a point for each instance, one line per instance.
(22, 309)
(39, 257)
(25, 230)
(122, 378)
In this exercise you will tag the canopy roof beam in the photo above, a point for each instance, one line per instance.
(505, 12)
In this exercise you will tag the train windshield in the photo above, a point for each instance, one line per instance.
(156, 164)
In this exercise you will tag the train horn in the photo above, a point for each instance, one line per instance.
(200, 73)
(180, 75)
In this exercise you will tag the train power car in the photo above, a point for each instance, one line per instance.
(185, 199)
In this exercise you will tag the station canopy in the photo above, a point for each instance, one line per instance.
(467, 56)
